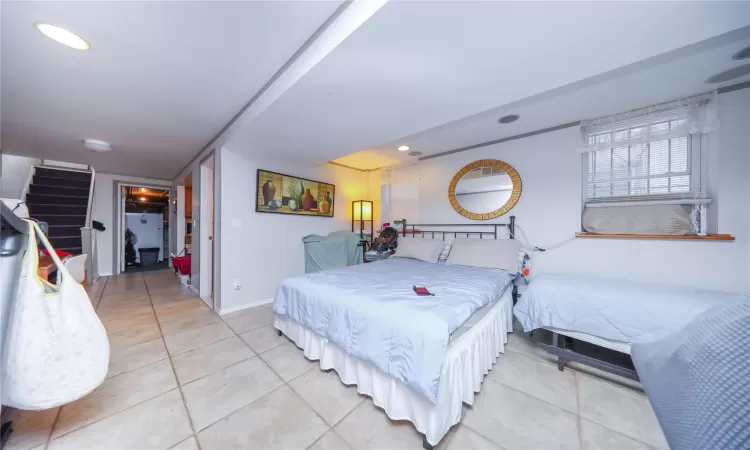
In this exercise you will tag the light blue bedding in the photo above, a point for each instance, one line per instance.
(372, 313)
(614, 309)
(696, 380)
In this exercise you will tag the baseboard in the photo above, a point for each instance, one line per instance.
(225, 311)
(195, 291)
(105, 274)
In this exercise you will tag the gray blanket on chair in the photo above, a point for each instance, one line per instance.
(337, 250)
(698, 380)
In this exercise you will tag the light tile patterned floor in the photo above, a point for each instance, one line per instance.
(182, 378)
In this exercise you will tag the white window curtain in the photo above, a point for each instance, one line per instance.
(399, 193)
(387, 179)
(646, 171)
(679, 118)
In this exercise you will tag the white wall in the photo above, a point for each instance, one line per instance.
(259, 250)
(550, 206)
(104, 202)
(15, 173)
(734, 168)
(149, 234)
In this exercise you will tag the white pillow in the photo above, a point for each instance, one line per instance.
(489, 253)
(426, 250)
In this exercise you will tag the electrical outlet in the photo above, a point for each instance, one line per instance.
(236, 284)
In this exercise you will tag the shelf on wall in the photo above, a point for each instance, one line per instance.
(710, 237)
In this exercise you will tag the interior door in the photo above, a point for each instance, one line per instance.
(121, 237)
(211, 244)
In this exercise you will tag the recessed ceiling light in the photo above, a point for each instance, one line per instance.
(95, 145)
(62, 36)
(742, 54)
(403, 148)
(731, 74)
(508, 119)
(415, 153)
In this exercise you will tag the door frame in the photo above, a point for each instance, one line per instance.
(207, 238)
(118, 218)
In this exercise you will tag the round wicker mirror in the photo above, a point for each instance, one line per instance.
(485, 189)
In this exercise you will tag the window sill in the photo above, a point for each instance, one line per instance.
(710, 237)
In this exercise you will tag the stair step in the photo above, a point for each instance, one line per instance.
(63, 182)
(58, 190)
(66, 174)
(65, 241)
(62, 210)
(64, 230)
(61, 220)
(43, 199)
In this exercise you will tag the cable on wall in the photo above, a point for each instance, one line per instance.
(525, 241)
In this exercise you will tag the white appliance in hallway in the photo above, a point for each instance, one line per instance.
(149, 231)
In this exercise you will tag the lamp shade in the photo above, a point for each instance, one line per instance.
(362, 220)
(367, 211)
(362, 210)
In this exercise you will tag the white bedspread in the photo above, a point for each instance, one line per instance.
(371, 312)
(613, 309)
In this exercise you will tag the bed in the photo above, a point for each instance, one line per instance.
(418, 358)
(610, 313)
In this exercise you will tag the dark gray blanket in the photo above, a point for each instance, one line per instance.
(698, 380)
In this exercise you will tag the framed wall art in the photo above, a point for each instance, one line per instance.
(285, 194)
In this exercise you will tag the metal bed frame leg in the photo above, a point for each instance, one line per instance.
(426, 445)
(558, 349)
(560, 360)
(5, 432)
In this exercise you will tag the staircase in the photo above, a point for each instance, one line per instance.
(60, 198)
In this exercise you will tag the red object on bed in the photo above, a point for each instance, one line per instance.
(182, 264)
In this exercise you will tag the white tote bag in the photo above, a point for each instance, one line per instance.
(56, 349)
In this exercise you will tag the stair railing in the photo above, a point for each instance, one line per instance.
(32, 171)
(88, 237)
(90, 206)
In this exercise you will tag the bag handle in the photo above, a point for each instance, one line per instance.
(51, 250)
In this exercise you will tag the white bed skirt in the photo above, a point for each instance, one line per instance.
(468, 359)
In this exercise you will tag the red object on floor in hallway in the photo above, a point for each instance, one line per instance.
(182, 264)
(60, 253)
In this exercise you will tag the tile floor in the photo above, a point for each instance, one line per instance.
(182, 378)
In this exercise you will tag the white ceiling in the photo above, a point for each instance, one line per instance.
(160, 81)
(418, 65)
(670, 76)
(163, 78)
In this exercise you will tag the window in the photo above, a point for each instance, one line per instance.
(485, 171)
(668, 169)
(652, 159)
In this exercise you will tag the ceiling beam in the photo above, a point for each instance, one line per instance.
(342, 23)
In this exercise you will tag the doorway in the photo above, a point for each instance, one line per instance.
(207, 242)
(143, 231)
(184, 213)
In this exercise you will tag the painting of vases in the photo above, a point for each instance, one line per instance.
(286, 194)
